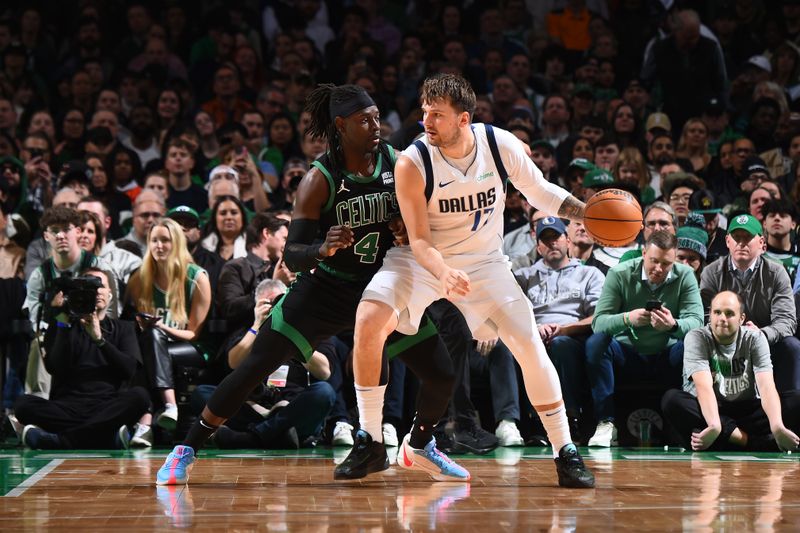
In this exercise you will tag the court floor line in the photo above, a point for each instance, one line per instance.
(34, 479)
(575, 510)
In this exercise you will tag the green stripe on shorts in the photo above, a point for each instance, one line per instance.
(423, 333)
(286, 329)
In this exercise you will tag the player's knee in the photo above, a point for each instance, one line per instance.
(374, 320)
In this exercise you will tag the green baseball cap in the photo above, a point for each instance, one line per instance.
(581, 163)
(746, 222)
(597, 178)
(183, 212)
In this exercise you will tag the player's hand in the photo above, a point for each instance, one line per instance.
(338, 237)
(398, 229)
(484, 347)
(455, 282)
(661, 319)
(786, 439)
(703, 439)
(639, 317)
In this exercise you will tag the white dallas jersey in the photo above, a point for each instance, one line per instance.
(465, 211)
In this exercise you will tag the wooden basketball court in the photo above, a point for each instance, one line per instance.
(511, 489)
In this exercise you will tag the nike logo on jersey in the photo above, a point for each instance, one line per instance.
(445, 184)
(342, 188)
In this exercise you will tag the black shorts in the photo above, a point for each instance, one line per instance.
(319, 305)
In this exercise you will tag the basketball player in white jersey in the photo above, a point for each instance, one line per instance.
(451, 190)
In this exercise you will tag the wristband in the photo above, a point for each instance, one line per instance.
(63, 324)
(625, 320)
(251, 330)
(100, 343)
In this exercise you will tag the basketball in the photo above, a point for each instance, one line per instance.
(613, 217)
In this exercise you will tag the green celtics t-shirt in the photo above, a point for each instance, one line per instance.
(161, 301)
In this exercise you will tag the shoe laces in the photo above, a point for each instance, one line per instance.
(436, 454)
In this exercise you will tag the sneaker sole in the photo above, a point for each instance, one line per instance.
(140, 443)
(165, 422)
(344, 476)
(124, 437)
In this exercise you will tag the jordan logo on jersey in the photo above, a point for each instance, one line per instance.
(342, 188)
(466, 204)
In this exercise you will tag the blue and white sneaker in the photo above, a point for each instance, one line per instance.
(176, 467)
(430, 460)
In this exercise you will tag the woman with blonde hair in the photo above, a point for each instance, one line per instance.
(631, 168)
(172, 297)
(693, 145)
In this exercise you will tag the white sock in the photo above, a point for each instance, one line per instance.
(557, 427)
(370, 410)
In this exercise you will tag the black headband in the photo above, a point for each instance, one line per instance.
(357, 102)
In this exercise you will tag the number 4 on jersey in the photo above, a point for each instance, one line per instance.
(367, 247)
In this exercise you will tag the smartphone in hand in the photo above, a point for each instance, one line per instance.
(147, 319)
(652, 305)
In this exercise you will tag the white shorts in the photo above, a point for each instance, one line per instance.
(408, 288)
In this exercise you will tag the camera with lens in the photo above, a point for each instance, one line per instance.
(80, 294)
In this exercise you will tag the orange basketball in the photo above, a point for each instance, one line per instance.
(613, 217)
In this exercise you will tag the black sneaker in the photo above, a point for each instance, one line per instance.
(445, 442)
(366, 457)
(572, 473)
(475, 439)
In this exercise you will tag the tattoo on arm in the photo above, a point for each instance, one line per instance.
(572, 208)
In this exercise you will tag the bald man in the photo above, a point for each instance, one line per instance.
(729, 400)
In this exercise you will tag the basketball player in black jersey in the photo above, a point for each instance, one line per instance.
(341, 228)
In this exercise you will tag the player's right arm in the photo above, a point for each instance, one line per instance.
(410, 188)
(303, 250)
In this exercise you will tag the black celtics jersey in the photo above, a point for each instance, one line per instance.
(366, 204)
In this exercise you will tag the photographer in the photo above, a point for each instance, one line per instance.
(301, 398)
(90, 357)
(61, 231)
(293, 171)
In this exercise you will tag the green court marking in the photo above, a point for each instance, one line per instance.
(19, 471)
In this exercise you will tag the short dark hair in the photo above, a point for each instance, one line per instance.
(60, 215)
(451, 88)
(780, 206)
(663, 240)
(606, 140)
(258, 224)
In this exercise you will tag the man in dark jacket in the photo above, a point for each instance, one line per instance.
(266, 235)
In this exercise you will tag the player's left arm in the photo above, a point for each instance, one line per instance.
(529, 180)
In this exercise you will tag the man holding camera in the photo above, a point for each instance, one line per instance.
(646, 307)
(61, 227)
(91, 357)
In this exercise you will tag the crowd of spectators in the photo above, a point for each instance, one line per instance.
(157, 147)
